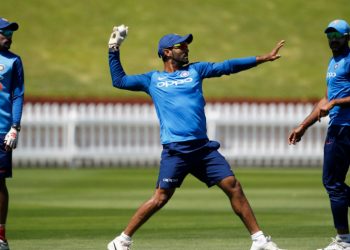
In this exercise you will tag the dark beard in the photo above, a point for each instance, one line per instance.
(180, 62)
(6, 45)
(338, 47)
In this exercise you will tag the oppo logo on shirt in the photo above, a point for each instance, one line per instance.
(331, 74)
(169, 83)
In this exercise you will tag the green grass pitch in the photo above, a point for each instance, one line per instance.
(73, 209)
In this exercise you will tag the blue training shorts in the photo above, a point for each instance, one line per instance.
(198, 157)
(5, 160)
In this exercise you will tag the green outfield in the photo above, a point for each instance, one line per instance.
(81, 209)
(63, 44)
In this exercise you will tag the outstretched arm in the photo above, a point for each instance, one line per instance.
(273, 55)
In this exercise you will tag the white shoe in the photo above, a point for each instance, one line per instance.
(4, 245)
(119, 244)
(337, 244)
(268, 245)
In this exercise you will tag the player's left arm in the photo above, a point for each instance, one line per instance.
(17, 95)
(17, 92)
(343, 101)
(227, 67)
(272, 56)
(206, 69)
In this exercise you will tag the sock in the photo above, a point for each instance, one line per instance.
(259, 237)
(2, 232)
(344, 237)
(125, 237)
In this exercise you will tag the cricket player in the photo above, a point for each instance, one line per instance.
(11, 104)
(178, 98)
(336, 104)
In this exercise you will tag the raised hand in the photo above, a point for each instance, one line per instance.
(118, 35)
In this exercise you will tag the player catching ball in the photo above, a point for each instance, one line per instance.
(178, 99)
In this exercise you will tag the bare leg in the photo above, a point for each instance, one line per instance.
(239, 203)
(147, 209)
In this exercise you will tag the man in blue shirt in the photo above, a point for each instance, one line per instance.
(336, 104)
(178, 99)
(11, 104)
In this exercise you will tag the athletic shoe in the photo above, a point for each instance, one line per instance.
(337, 244)
(268, 245)
(4, 245)
(118, 244)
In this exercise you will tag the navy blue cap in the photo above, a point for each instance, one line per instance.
(5, 24)
(170, 40)
(339, 25)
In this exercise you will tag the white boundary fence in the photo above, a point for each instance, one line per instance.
(251, 134)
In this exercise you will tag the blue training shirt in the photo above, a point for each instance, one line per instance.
(11, 90)
(338, 86)
(177, 96)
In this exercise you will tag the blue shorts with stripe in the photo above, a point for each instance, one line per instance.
(5, 160)
(198, 157)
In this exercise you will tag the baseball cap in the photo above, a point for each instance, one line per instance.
(339, 25)
(5, 24)
(170, 40)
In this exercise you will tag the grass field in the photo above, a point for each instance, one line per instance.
(81, 209)
(63, 44)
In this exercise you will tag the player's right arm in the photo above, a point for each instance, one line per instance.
(316, 114)
(123, 81)
(119, 78)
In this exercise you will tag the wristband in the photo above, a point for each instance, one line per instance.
(17, 127)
